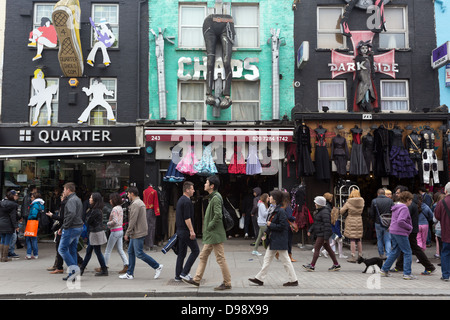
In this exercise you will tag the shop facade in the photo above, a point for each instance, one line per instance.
(369, 71)
(73, 108)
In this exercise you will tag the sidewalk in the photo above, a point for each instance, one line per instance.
(29, 279)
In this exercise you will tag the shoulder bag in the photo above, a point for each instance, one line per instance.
(385, 218)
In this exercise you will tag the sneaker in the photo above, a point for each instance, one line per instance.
(177, 279)
(191, 282)
(158, 271)
(342, 256)
(256, 281)
(126, 276)
(325, 253)
(385, 273)
(395, 270)
(187, 277)
(335, 268)
(13, 256)
(445, 279)
(256, 253)
(409, 277)
(222, 287)
(308, 267)
(66, 19)
(428, 272)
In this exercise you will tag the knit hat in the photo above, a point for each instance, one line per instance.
(321, 201)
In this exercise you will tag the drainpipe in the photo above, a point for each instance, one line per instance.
(275, 40)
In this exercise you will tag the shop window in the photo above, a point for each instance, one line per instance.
(246, 101)
(44, 110)
(396, 34)
(328, 28)
(109, 12)
(332, 94)
(394, 95)
(191, 26)
(246, 25)
(192, 100)
(99, 115)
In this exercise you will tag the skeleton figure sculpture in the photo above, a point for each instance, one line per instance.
(219, 27)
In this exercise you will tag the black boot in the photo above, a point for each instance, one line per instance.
(103, 272)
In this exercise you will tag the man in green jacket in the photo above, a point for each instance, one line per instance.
(213, 237)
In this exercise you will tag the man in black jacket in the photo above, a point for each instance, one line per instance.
(380, 205)
(416, 250)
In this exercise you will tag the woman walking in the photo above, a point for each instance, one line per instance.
(277, 227)
(322, 230)
(115, 225)
(8, 223)
(263, 212)
(97, 235)
(353, 229)
(400, 228)
(37, 205)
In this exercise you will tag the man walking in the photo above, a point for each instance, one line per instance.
(185, 233)
(213, 236)
(380, 205)
(136, 233)
(71, 231)
(442, 214)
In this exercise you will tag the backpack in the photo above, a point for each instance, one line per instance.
(228, 222)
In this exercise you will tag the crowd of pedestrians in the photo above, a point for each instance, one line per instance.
(402, 221)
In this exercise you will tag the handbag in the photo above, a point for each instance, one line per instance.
(385, 218)
(266, 236)
(31, 229)
(97, 238)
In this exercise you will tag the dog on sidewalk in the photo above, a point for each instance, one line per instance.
(371, 262)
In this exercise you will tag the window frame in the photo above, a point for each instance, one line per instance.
(398, 31)
(257, 27)
(108, 99)
(180, 83)
(330, 31)
(344, 98)
(180, 26)
(247, 101)
(113, 25)
(407, 98)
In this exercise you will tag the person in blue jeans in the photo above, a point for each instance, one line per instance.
(136, 232)
(71, 231)
(382, 204)
(400, 228)
(36, 206)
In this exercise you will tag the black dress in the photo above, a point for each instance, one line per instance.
(340, 153)
(401, 164)
(322, 157)
(357, 162)
(367, 142)
(381, 148)
(305, 164)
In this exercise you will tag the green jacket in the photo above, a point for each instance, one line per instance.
(213, 229)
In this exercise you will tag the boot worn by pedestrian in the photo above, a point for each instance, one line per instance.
(103, 272)
(124, 270)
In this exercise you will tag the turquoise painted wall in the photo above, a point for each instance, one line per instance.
(275, 14)
(442, 13)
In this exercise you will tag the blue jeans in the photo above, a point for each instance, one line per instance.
(32, 246)
(68, 246)
(6, 238)
(383, 239)
(399, 244)
(136, 249)
(445, 260)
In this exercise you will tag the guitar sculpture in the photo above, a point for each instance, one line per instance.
(104, 38)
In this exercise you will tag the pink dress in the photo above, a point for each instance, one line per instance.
(186, 165)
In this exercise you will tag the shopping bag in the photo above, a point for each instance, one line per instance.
(31, 229)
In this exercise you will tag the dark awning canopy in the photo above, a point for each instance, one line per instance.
(20, 152)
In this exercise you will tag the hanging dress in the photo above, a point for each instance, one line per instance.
(222, 168)
(367, 142)
(381, 147)
(237, 165)
(206, 166)
(357, 162)
(401, 164)
(172, 174)
(186, 165)
(322, 158)
(253, 164)
(340, 154)
(305, 164)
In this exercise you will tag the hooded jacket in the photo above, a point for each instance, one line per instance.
(35, 208)
(257, 191)
(401, 222)
(353, 223)
(8, 212)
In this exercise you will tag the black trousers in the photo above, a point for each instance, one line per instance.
(219, 27)
(418, 252)
(184, 242)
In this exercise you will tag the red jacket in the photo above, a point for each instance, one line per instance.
(151, 200)
(444, 217)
